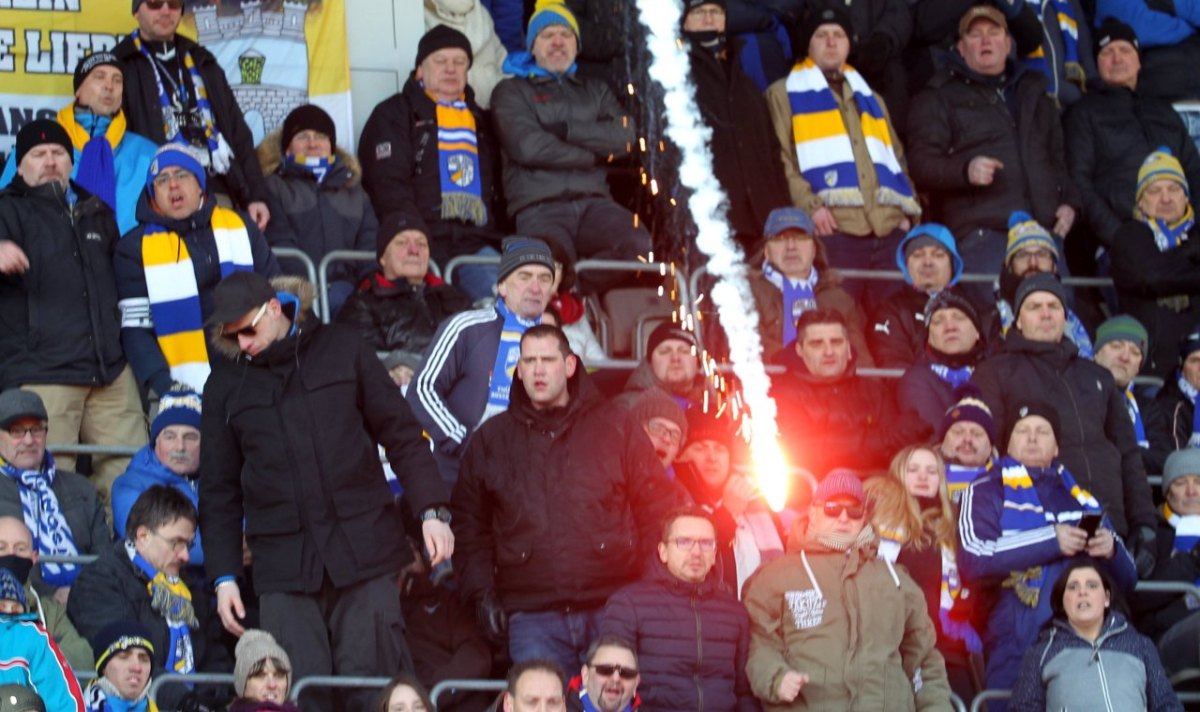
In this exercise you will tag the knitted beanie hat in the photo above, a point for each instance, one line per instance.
(253, 647)
(1161, 164)
(551, 12)
(1025, 232)
(178, 406)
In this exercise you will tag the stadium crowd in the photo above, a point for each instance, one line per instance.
(429, 479)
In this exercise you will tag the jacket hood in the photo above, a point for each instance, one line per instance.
(296, 294)
(455, 11)
(944, 237)
(798, 540)
(270, 157)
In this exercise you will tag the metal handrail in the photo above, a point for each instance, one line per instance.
(294, 253)
(1168, 587)
(456, 262)
(61, 559)
(175, 678)
(359, 682)
(983, 696)
(90, 449)
(476, 684)
(957, 703)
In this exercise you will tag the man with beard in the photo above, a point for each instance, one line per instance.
(608, 681)
(966, 435)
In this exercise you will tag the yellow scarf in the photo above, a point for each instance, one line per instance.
(79, 135)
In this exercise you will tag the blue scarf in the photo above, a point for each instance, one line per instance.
(317, 166)
(1068, 29)
(507, 356)
(954, 376)
(798, 297)
(960, 477)
(97, 171)
(523, 64)
(589, 707)
(1187, 533)
(1168, 236)
(171, 599)
(1135, 414)
(1190, 392)
(458, 162)
(40, 509)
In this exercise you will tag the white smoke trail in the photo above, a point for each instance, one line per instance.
(731, 293)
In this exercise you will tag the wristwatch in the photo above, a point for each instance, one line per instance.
(442, 514)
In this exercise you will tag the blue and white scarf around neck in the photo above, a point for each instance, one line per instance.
(1189, 391)
(507, 356)
(798, 297)
(40, 509)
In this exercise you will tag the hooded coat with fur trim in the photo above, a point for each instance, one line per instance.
(319, 217)
(289, 446)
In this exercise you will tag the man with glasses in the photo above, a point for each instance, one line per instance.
(58, 303)
(692, 634)
(144, 578)
(834, 627)
(608, 681)
(290, 427)
(168, 267)
(59, 507)
(558, 505)
(175, 91)
(664, 423)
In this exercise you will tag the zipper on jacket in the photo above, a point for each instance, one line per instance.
(699, 656)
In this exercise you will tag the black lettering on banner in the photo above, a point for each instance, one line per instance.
(12, 118)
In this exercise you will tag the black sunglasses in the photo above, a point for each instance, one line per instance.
(833, 510)
(157, 4)
(608, 670)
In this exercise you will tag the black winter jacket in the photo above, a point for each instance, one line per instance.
(244, 181)
(923, 392)
(58, 320)
(557, 509)
(884, 29)
(290, 445)
(897, 332)
(399, 157)
(398, 316)
(1169, 420)
(1157, 612)
(1109, 132)
(1095, 441)
(692, 642)
(1145, 278)
(962, 115)
(935, 32)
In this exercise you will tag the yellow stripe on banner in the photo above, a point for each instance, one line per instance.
(451, 118)
(184, 347)
(875, 128)
(162, 248)
(459, 146)
(823, 124)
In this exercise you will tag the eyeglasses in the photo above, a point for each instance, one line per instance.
(37, 431)
(708, 12)
(608, 670)
(833, 510)
(252, 329)
(687, 543)
(165, 177)
(658, 430)
(158, 4)
(1033, 255)
(177, 545)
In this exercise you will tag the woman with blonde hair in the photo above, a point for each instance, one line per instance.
(911, 511)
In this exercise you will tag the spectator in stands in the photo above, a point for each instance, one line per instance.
(429, 161)
(19, 698)
(1155, 258)
(829, 416)
(306, 403)
(692, 634)
(168, 267)
(1114, 127)
(556, 147)
(836, 625)
(468, 368)
(262, 671)
(535, 686)
(108, 160)
(60, 507)
(1170, 618)
(144, 578)
(1019, 526)
(1170, 45)
(570, 309)
(1171, 423)
(558, 456)
(398, 309)
(664, 422)
(953, 348)
(672, 366)
(980, 159)
(31, 658)
(404, 694)
(843, 160)
(795, 278)
(19, 556)
(930, 263)
(965, 438)
(474, 21)
(173, 459)
(1120, 344)
(58, 300)
(1091, 656)
(123, 667)
(1066, 56)
(732, 106)
(884, 28)
(765, 29)
(1031, 249)
(315, 197)
(748, 533)
(609, 678)
(176, 92)
(911, 511)
(1098, 446)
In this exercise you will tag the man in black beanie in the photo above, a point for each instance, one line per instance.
(432, 180)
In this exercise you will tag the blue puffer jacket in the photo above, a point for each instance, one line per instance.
(131, 162)
(30, 658)
(1120, 671)
(692, 642)
(1153, 28)
(145, 470)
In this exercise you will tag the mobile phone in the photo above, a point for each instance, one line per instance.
(1090, 523)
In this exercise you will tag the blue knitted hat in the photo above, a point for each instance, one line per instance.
(177, 155)
(178, 406)
(552, 12)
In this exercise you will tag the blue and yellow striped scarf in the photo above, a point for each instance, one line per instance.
(1068, 28)
(175, 297)
(823, 147)
(458, 163)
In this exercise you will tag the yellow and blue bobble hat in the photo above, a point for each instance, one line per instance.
(551, 12)
(1023, 232)
(1161, 164)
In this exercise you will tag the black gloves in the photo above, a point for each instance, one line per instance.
(492, 618)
